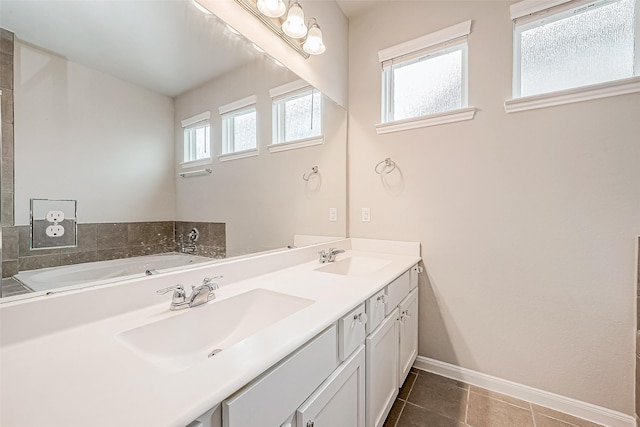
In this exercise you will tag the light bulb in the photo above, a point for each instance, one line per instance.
(272, 8)
(294, 25)
(313, 45)
(201, 8)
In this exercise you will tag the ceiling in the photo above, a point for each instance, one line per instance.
(167, 46)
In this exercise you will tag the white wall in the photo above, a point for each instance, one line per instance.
(81, 134)
(263, 200)
(326, 72)
(528, 222)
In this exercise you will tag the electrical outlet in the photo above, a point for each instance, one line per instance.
(55, 230)
(55, 216)
(333, 214)
(366, 214)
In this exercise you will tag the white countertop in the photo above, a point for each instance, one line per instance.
(84, 375)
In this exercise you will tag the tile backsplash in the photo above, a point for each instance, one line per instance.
(106, 241)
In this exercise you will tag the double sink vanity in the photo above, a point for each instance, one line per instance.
(284, 341)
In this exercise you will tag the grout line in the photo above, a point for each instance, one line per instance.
(466, 409)
(400, 414)
(532, 416)
(412, 386)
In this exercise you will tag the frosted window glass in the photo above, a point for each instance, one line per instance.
(196, 143)
(302, 118)
(427, 86)
(589, 47)
(244, 131)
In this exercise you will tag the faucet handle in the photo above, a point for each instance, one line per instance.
(177, 288)
(208, 281)
(178, 295)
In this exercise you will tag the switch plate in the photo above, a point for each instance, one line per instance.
(55, 216)
(55, 230)
(366, 214)
(333, 214)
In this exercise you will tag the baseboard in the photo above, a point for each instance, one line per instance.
(587, 411)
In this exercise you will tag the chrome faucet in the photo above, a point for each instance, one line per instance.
(199, 295)
(330, 255)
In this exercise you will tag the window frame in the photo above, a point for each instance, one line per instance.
(191, 123)
(228, 113)
(388, 112)
(431, 45)
(279, 96)
(530, 13)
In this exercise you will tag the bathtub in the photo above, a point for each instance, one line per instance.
(104, 271)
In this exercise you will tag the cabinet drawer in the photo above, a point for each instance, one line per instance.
(270, 399)
(397, 291)
(352, 331)
(376, 310)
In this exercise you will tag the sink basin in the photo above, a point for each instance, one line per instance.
(178, 342)
(355, 266)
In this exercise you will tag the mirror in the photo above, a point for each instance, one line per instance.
(100, 92)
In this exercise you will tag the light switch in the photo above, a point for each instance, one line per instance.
(333, 214)
(366, 214)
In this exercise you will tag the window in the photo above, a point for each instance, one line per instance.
(297, 116)
(197, 138)
(239, 126)
(425, 85)
(424, 78)
(574, 44)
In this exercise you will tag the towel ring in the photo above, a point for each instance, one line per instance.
(386, 163)
(307, 176)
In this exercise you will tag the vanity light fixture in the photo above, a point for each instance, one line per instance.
(294, 25)
(272, 8)
(305, 40)
(314, 45)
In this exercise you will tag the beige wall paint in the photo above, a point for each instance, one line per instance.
(82, 134)
(527, 221)
(263, 199)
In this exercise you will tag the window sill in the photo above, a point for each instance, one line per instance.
(293, 145)
(569, 96)
(252, 152)
(425, 121)
(194, 163)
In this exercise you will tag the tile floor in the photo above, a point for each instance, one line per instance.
(429, 400)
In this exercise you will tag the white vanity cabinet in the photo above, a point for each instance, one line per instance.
(408, 335)
(272, 398)
(382, 370)
(321, 384)
(340, 400)
(391, 347)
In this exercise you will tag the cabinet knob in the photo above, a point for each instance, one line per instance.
(418, 269)
(360, 318)
(381, 299)
(310, 423)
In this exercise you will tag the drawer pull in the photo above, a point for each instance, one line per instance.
(418, 269)
(359, 318)
(381, 299)
(310, 423)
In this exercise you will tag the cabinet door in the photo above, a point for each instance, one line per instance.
(339, 401)
(408, 335)
(382, 370)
